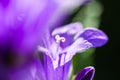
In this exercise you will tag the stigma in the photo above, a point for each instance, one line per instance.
(59, 39)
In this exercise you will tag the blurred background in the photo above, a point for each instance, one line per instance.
(103, 14)
(107, 57)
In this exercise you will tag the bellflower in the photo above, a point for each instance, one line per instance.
(28, 24)
(62, 43)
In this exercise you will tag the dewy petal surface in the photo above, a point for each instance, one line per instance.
(86, 73)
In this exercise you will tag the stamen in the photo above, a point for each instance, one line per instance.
(58, 39)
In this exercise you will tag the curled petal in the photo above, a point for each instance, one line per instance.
(86, 73)
(96, 37)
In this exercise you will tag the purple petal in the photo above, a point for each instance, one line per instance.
(79, 45)
(70, 29)
(18, 25)
(60, 73)
(4, 3)
(30, 71)
(86, 74)
(96, 37)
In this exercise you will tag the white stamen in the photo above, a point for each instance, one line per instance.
(58, 39)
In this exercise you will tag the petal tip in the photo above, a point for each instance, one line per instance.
(95, 36)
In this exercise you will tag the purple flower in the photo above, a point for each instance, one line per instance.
(28, 24)
(62, 43)
(86, 74)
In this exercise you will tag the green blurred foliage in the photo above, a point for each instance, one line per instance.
(89, 16)
(82, 60)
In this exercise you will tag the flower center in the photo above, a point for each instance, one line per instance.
(58, 39)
